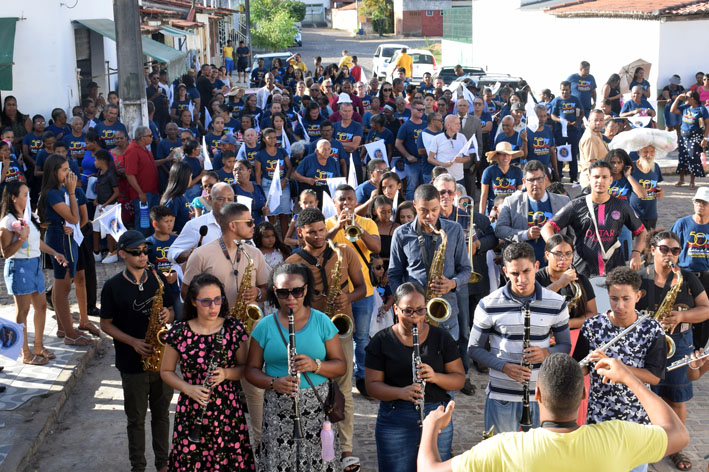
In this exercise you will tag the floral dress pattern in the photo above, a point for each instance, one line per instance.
(225, 442)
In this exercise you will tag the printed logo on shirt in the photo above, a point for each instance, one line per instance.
(584, 85)
(538, 218)
(344, 137)
(607, 235)
(271, 166)
(35, 146)
(190, 210)
(698, 245)
(568, 108)
(12, 173)
(619, 192)
(690, 116)
(541, 146)
(650, 186)
(77, 148)
(108, 136)
(615, 214)
(323, 175)
(504, 186)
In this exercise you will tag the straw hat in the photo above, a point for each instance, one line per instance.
(503, 147)
(233, 91)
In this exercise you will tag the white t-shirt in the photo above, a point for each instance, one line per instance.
(29, 248)
(446, 149)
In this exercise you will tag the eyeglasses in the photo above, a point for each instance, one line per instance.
(138, 252)
(419, 109)
(666, 250)
(207, 302)
(249, 223)
(284, 293)
(411, 311)
(562, 255)
(380, 171)
(534, 179)
(446, 192)
(386, 90)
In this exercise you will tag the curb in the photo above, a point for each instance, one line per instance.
(19, 459)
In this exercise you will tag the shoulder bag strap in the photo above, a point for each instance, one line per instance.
(606, 254)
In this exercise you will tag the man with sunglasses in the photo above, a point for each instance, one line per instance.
(368, 191)
(470, 125)
(126, 305)
(423, 143)
(406, 144)
(223, 259)
(317, 255)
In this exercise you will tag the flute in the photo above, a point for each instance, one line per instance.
(687, 359)
(587, 360)
(415, 363)
(525, 422)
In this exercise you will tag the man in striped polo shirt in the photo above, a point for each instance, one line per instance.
(499, 318)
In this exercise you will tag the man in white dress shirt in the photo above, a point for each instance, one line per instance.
(445, 149)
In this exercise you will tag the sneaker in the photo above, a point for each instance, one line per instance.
(110, 259)
(468, 389)
(97, 256)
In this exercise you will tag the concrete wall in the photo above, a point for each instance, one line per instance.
(526, 51)
(415, 5)
(44, 74)
(344, 20)
(682, 51)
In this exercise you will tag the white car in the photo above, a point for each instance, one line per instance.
(382, 57)
(423, 62)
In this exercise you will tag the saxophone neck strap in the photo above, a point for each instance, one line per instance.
(314, 261)
(426, 256)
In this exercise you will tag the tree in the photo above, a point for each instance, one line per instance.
(296, 9)
(382, 14)
(273, 25)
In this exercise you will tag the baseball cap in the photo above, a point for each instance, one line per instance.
(517, 106)
(702, 194)
(344, 98)
(228, 139)
(675, 80)
(131, 239)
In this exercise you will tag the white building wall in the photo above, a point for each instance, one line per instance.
(344, 20)
(44, 74)
(545, 50)
(454, 52)
(682, 51)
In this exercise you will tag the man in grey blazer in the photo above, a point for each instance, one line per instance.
(524, 212)
(470, 125)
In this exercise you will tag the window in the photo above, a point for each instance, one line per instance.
(441, 12)
(429, 12)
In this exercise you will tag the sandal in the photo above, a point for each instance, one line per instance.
(692, 187)
(350, 464)
(91, 328)
(681, 461)
(36, 360)
(80, 340)
(60, 333)
(679, 184)
(46, 353)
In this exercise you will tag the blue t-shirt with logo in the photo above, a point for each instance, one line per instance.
(158, 256)
(225, 176)
(165, 147)
(409, 134)
(500, 183)
(695, 244)
(347, 134)
(543, 213)
(485, 118)
(582, 88)
(513, 140)
(539, 145)
(106, 133)
(312, 128)
(621, 188)
(364, 191)
(75, 145)
(196, 167)
(336, 150)
(311, 168)
(646, 208)
(690, 118)
(566, 108)
(181, 209)
(34, 143)
(269, 163)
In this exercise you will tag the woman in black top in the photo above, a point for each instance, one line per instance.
(611, 91)
(381, 214)
(389, 378)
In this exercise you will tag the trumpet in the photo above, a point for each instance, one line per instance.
(352, 231)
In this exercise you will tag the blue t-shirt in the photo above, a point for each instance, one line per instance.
(312, 128)
(690, 118)
(310, 167)
(566, 108)
(403, 115)
(180, 105)
(644, 84)
(513, 140)
(225, 176)
(646, 208)
(409, 134)
(309, 341)
(364, 191)
(541, 208)
(34, 143)
(75, 145)
(88, 168)
(427, 166)
(59, 133)
(581, 88)
(242, 50)
(233, 126)
(158, 257)
(259, 200)
(249, 154)
(347, 135)
(386, 135)
(55, 196)
(695, 244)
(424, 89)
(485, 118)
(337, 151)
(195, 165)
(630, 105)
(15, 172)
(165, 147)
(42, 158)
(539, 145)
(500, 184)
(193, 93)
(212, 141)
(269, 162)
(106, 134)
(181, 209)
(621, 188)
(257, 75)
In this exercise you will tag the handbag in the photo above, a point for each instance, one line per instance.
(334, 404)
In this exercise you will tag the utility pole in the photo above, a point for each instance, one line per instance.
(247, 7)
(131, 81)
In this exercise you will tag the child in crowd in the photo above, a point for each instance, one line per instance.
(273, 249)
(106, 194)
(178, 181)
(382, 316)
(163, 221)
(307, 199)
(226, 173)
(203, 204)
(48, 140)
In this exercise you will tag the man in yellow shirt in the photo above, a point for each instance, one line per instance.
(346, 60)
(560, 444)
(228, 52)
(295, 61)
(367, 243)
(405, 61)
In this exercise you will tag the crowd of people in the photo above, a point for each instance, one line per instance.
(451, 244)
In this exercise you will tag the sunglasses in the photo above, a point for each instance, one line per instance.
(207, 302)
(284, 293)
(249, 223)
(447, 192)
(411, 311)
(379, 267)
(666, 250)
(146, 251)
(386, 90)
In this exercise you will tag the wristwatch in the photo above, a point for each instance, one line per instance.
(318, 362)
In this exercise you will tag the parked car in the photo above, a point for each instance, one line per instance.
(382, 57)
(423, 62)
(268, 61)
(447, 73)
(486, 80)
(299, 35)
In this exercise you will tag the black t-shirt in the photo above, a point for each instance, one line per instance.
(652, 295)
(387, 354)
(129, 309)
(611, 216)
(205, 89)
(544, 280)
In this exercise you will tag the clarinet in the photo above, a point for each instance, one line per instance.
(526, 421)
(195, 435)
(297, 427)
(415, 363)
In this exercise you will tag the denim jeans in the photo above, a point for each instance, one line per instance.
(640, 468)
(506, 415)
(398, 436)
(573, 138)
(463, 324)
(362, 312)
(152, 200)
(626, 242)
(414, 177)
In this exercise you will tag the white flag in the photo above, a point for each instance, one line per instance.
(12, 338)
(563, 153)
(352, 174)
(469, 97)
(377, 150)
(78, 235)
(471, 146)
(306, 136)
(427, 139)
(28, 209)
(205, 154)
(286, 142)
(564, 127)
(532, 120)
(335, 182)
(241, 155)
(244, 200)
(328, 206)
(111, 220)
(394, 206)
(275, 192)
(207, 118)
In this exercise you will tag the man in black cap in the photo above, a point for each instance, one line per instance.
(126, 305)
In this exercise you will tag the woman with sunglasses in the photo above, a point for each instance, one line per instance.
(386, 95)
(691, 306)
(319, 357)
(207, 335)
(389, 377)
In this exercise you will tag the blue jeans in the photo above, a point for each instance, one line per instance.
(414, 177)
(506, 415)
(152, 200)
(362, 312)
(463, 324)
(398, 436)
(626, 242)
(573, 138)
(640, 468)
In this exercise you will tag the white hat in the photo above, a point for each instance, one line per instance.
(344, 98)
(702, 194)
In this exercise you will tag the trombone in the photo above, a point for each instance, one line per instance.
(467, 203)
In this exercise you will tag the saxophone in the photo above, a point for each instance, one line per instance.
(438, 309)
(667, 304)
(343, 323)
(156, 329)
(251, 313)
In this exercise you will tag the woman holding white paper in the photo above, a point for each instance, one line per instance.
(246, 188)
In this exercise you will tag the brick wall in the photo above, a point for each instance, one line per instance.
(416, 23)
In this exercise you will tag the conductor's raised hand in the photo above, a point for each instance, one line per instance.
(439, 418)
(613, 371)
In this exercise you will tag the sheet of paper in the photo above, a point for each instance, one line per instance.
(564, 127)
